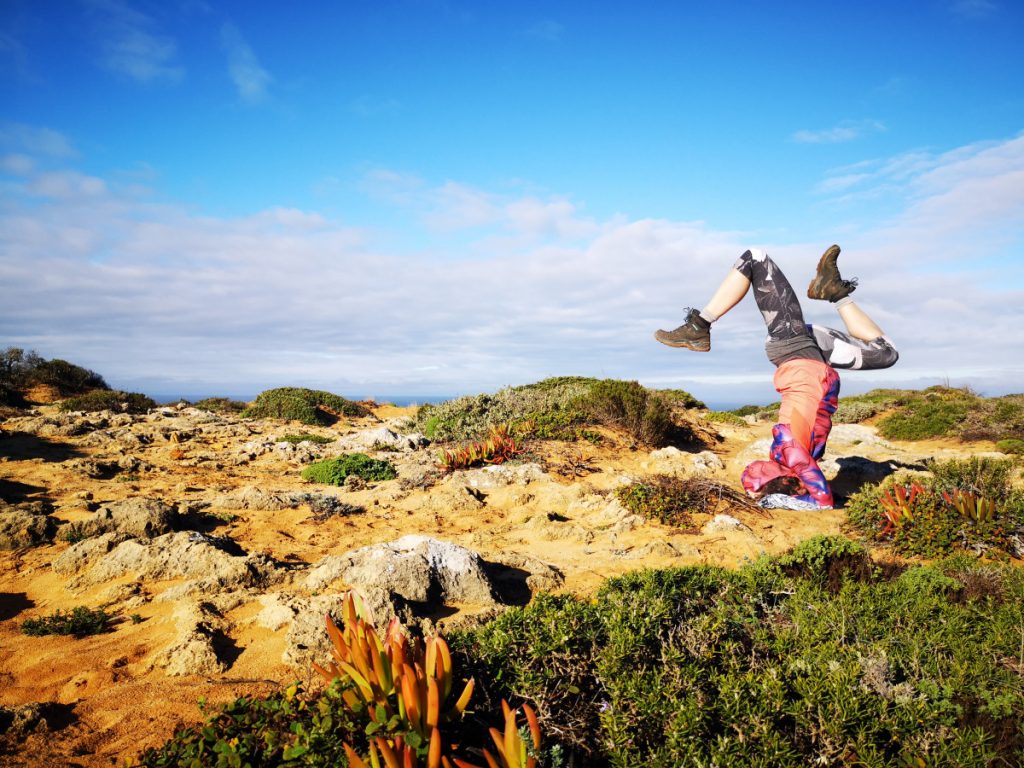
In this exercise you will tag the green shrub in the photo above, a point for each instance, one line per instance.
(310, 406)
(918, 516)
(67, 378)
(334, 471)
(701, 666)
(629, 406)
(759, 412)
(679, 398)
(109, 400)
(305, 437)
(20, 370)
(1011, 445)
(220, 405)
(854, 411)
(287, 728)
(725, 417)
(558, 408)
(934, 412)
(80, 621)
(666, 498)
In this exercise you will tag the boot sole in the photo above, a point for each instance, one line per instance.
(696, 346)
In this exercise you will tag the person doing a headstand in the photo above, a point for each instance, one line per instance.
(806, 358)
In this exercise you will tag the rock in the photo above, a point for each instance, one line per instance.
(278, 611)
(307, 639)
(23, 526)
(617, 519)
(192, 654)
(856, 434)
(33, 717)
(78, 556)
(721, 523)
(652, 549)
(516, 576)
(139, 517)
(417, 568)
(251, 497)
(215, 564)
(498, 475)
(669, 452)
(706, 461)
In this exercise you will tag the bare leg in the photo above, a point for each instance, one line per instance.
(732, 290)
(857, 322)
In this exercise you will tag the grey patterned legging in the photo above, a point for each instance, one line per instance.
(784, 318)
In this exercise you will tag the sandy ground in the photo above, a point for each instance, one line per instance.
(118, 702)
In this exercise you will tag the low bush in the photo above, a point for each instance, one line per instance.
(20, 370)
(1012, 446)
(334, 471)
(854, 411)
(305, 437)
(934, 412)
(79, 621)
(725, 417)
(669, 499)
(767, 665)
(109, 400)
(965, 505)
(557, 409)
(310, 406)
(220, 405)
(679, 398)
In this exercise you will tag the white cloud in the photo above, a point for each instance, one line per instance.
(129, 45)
(548, 30)
(249, 77)
(848, 130)
(159, 296)
(34, 140)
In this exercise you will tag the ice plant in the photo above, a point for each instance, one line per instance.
(898, 506)
(403, 686)
(970, 505)
(498, 448)
(512, 751)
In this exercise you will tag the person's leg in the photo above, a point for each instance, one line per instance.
(774, 295)
(857, 322)
(732, 290)
(842, 350)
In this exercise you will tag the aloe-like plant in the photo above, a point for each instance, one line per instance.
(898, 506)
(403, 685)
(512, 750)
(498, 448)
(970, 505)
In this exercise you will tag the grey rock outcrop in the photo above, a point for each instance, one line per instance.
(213, 564)
(25, 525)
(139, 517)
(195, 651)
(417, 568)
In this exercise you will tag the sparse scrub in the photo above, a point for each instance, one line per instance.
(220, 405)
(79, 621)
(854, 411)
(309, 406)
(679, 398)
(559, 409)
(1011, 446)
(725, 417)
(109, 400)
(334, 471)
(966, 505)
(306, 437)
(934, 412)
(673, 500)
(20, 370)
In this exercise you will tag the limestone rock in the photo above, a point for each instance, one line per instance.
(79, 556)
(307, 639)
(721, 523)
(22, 525)
(417, 568)
(499, 475)
(139, 517)
(706, 461)
(252, 497)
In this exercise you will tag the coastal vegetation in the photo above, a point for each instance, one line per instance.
(336, 471)
(820, 656)
(309, 406)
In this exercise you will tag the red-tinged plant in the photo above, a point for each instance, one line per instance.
(498, 448)
(971, 506)
(898, 506)
(512, 749)
(403, 686)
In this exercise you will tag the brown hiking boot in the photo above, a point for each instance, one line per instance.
(828, 284)
(693, 334)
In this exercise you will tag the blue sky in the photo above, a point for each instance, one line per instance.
(446, 197)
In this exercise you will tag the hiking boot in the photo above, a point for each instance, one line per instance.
(693, 334)
(828, 284)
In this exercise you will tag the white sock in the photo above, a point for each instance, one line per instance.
(844, 301)
(708, 315)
